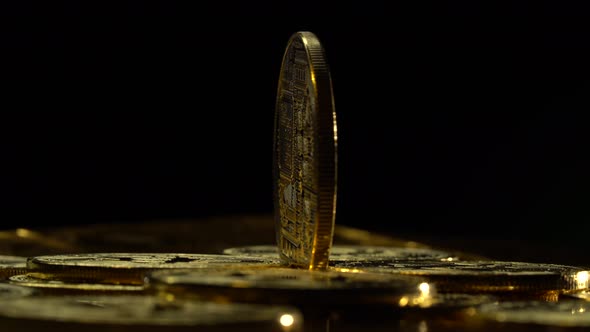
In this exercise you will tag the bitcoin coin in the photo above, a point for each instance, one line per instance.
(12, 265)
(141, 313)
(125, 268)
(262, 283)
(485, 276)
(305, 155)
(343, 253)
(51, 284)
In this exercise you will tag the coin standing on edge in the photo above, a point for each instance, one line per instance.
(304, 155)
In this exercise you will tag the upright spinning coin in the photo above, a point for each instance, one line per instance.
(305, 155)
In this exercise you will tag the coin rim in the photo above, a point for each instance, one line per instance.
(325, 147)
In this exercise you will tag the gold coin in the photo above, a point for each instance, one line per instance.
(125, 268)
(141, 313)
(485, 276)
(51, 284)
(305, 155)
(12, 265)
(352, 253)
(536, 315)
(583, 295)
(8, 291)
(262, 283)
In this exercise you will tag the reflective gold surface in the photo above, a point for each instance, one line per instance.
(485, 276)
(353, 253)
(305, 155)
(12, 265)
(315, 292)
(50, 284)
(127, 268)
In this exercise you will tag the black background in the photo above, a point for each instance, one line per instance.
(455, 117)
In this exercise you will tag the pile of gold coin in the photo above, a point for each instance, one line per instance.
(296, 270)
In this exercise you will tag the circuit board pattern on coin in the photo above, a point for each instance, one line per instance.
(305, 155)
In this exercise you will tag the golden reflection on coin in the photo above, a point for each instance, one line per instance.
(260, 283)
(51, 284)
(485, 276)
(12, 265)
(305, 155)
(342, 253)
(129, 268)
(141, 313)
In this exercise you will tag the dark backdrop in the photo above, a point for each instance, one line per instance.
(455, 117)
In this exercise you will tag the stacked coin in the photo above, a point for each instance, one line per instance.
(125, 268)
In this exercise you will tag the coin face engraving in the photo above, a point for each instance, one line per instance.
(305, 155)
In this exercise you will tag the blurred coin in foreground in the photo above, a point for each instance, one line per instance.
(10, 291)
(323, 290)
(535, 316)
(141, 313)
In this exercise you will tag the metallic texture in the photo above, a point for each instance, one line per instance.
(125, 268)
(12, 265)
(255, 283)
(48, 284)
(486, 276)
(352, 253)
(305, 155)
